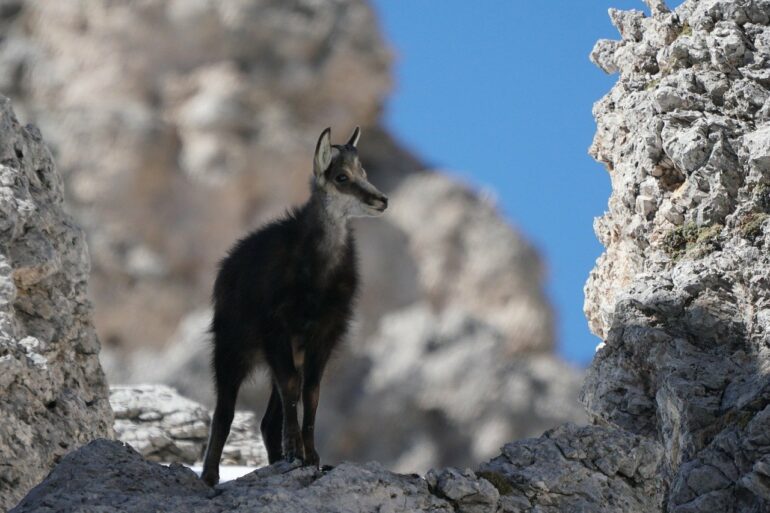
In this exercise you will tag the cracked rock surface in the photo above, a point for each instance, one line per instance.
(87, 476)
(53, 396)
(573, 468)
(569, 470)
(165, 427)
(681, 296)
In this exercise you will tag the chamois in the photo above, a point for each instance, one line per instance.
(284, 296)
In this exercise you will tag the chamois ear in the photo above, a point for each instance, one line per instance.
(353, 141)
(323, 153)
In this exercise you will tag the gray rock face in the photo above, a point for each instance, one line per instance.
(166, 427)
(53, 396)
(575, 468)
(682, 294)
(109, 477)
(464, 490)
(570, 470)
(682, 363)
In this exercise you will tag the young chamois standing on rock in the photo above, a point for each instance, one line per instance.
(284, 295)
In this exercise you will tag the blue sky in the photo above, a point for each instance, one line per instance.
(500, 93)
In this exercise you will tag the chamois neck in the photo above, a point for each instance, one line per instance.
(329, 226)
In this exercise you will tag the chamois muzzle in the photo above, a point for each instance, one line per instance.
(378, 202)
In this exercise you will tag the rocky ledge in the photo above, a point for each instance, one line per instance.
(569, 469)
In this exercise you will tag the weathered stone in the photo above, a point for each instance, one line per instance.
(680, 296)
(109, 477)
(573, 468)
(569, 470)
(680, 386)
(464, 490)
(166, 427)
(53, 396)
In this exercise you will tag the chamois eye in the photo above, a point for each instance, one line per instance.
(341, 178)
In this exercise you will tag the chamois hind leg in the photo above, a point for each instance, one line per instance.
(272, 426)
(288, 381)
(229, 374)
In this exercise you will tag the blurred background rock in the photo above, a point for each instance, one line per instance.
(179, 125)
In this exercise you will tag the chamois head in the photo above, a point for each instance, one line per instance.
(339, 176)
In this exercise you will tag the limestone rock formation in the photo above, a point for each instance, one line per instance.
(571, 470)
(53, 395)
(166, 427)
(679, 392)
(682, 295)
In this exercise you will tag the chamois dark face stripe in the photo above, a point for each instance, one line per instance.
(365, 192)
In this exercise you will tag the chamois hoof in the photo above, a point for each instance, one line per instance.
(214, 492)
(327, 468)
(210, 478)
(311, 459)
(292, 458)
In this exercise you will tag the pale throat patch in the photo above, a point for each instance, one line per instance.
(336, 209)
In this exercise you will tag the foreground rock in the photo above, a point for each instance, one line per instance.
(53, 396)
(580, 469)
(682, 294)
(570, 470)
(166, 427)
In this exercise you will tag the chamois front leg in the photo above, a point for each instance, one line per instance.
(288, 380)
(311, 387)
